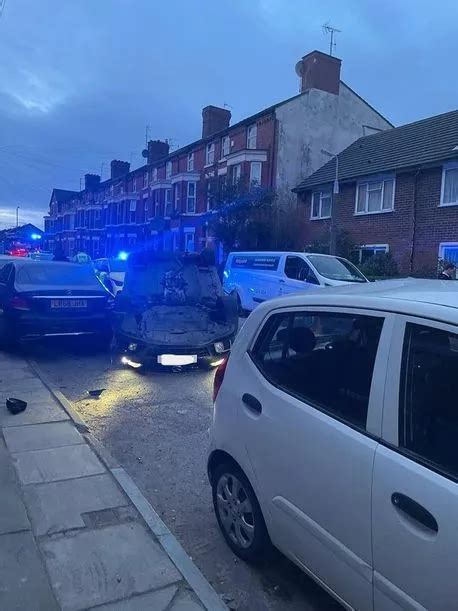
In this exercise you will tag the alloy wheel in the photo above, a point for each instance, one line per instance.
(235, 510)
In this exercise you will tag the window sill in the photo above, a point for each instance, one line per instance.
(209, 165)
(375, 212)
(320, 218)
(442, 205)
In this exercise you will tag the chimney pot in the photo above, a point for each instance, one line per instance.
(119, 168)
(214, 120)
(319, 70)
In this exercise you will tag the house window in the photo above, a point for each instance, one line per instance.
(375, 196)
(168, 169)
(209, 195)
(168, 202)
(189, 241)
(321, 205)
(252, 133)
(448, 252)
(154, 177)
(225, 146)
(157, 204)
(145, 180)
(190, 162)
(236, 173)
(255, 172)
(177, 196)
(132, 210)
(449, 191)
(134, 184)
(367, 251)
(191, 200)
(210, 153)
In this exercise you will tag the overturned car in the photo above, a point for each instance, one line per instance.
(173, 311)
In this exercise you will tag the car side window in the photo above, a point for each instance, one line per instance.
(5, 274)
(428, 414)
(297, 269)
(325, 359)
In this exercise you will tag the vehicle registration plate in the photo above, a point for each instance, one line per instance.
(177, 359)
(68, 303)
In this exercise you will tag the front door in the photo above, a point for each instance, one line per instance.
(297, 276)
(310, 372)
(415, 493)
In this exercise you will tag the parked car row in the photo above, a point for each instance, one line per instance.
(334, 439)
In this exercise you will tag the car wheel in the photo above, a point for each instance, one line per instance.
(239, 514)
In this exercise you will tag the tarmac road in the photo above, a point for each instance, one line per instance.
(156, 424)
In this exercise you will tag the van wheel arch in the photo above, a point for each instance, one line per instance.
(217, 458)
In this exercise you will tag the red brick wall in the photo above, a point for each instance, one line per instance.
(433, 224)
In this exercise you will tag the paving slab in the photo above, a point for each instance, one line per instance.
(85, 572)
(36, 412)
(23, 582)
(13, 516)
(39, 466)
(151, 601)
(41, 436)
(186, 601)
(9, 374)
(58, 506)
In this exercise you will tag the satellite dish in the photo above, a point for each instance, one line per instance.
(299, 68)
(145, 153)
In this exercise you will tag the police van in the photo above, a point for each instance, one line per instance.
(259, 276)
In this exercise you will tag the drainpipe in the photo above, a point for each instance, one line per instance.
(414, 222)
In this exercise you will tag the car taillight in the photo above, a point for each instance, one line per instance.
(19, 303)
(219, 377)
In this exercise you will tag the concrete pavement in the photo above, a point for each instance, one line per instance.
(74, 533)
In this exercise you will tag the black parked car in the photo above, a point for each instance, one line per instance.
(173, 311)
(50, 298)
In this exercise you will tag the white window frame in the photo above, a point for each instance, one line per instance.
(168, 170)
(444, 245)
(385, 248)
(365, 183)
(168, 201)
(256, 164)
(225, 146)
(190, 165)
(251, 136)
(176, 195)
(445, 168)
(134, 184)
(145, 180)
(322, 195)
(191, 198)
(210, 153)
(154, 176)
(236, 173)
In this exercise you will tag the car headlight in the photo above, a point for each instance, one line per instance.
(132, 347)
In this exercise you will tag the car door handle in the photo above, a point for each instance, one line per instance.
(414, 510)
(252, 403)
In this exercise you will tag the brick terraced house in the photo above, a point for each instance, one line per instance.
(168, 203)
(398, 193)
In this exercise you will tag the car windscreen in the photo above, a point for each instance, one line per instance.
(116, 265)
(336, 268)
(57, 275)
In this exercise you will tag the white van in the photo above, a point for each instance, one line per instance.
(259, 276)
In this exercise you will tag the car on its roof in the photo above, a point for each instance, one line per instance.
(334, 438)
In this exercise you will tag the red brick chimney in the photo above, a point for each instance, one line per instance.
(119, 168)
(214, 120)
(319, 70)
(157, 149)
(91, 182)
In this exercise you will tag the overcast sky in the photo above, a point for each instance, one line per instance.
(80, 79)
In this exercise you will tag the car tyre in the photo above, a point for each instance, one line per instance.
(239, 514)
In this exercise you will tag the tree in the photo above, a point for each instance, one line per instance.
(345, 245)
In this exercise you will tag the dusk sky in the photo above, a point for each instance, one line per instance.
(80, 79)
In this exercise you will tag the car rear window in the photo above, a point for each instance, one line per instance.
(57, 275)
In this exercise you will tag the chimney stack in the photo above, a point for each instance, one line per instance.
(214, 120)
(91, 182)
(119, 168)
(319, 70)
(156, 150)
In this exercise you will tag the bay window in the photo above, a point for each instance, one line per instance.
(191, 199)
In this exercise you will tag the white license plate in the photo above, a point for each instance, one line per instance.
(68, 303)
(177, 359)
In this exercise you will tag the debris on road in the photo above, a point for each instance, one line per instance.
(95, 393)
(16, 406)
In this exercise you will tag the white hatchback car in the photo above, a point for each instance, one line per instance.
(335, 437)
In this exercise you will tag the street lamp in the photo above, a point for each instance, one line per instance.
(335, 191)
